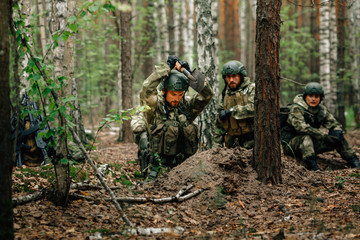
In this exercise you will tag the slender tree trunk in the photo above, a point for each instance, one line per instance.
(6, 209)
(354, 20)
(177, 46)
(242, 24)
(62, 169)
(340, 10)
(267, 153)
(126, 69)
(171, 27)
(207, 62)
(314, 29)
(26, 12)
(188, 36)
(164, 30)
(332, 98)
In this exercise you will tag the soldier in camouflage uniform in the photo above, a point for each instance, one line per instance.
(235, 123)
(166, 132)
(314, 129)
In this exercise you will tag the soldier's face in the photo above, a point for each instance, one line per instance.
(233, 80)
(174, 97)
(312, 99)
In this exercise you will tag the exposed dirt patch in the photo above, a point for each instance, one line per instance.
(316, 205)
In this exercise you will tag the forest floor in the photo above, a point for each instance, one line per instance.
(234, 204)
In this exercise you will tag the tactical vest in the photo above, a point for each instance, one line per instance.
(232, 126)
(169, 137)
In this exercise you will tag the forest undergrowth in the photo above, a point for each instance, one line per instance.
(231, 203)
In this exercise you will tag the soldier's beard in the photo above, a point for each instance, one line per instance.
(174, 104)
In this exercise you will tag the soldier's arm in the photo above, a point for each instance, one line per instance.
(331, 122)
(297, 120)
(246, 111)
(219, 131)
(199, 101)
(150, 84)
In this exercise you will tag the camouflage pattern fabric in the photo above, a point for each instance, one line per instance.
(243, 114)
(169, 126)
(312, 125)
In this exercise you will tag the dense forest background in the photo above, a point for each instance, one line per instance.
(111, 54)
(84, 62)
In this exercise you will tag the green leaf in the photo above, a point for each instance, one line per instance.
(73, 27)
(82, 14)
(93, 9)
(64, 161)
(46, 91)
(71, 19)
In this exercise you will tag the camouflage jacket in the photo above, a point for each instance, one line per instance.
(310, 120)
(241, 110)
(161, 113)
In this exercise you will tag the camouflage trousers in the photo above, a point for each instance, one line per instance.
(245, 141)
(304, 146)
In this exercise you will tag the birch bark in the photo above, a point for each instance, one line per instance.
(206, 12)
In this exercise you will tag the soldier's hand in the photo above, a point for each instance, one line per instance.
(185, 65)
(332, 141)
(337, 133)
(171, 61)
(224, 114)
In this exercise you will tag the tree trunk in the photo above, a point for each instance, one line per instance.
(354, 52)
(340, 10)
(26, 12)
(6, 208)
(206, 19)
(325, 58)
(267, 153)
(62, 169)
(188, 28)
(126, 69)
(314, 29)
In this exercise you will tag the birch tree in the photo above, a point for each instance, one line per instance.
(325, 57)
(267, 153)
(206, 12)
(26, 13)
(6, 209)
(62, 169)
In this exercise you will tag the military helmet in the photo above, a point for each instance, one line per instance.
(176, 81)
(313, 88)
(233, 67)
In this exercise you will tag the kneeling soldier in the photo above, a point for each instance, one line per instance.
(167, 130)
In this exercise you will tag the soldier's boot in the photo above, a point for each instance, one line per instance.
(152, 176)
(353, 162)
(311, 163)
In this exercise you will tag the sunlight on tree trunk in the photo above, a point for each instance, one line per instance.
(267, 152)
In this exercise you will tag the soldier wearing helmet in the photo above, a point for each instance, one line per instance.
(166, 132)
(234, 125)
(309, 118)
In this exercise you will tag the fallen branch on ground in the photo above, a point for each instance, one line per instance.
(88, 186)
(102, 181)
(28, 198)
(177, 198)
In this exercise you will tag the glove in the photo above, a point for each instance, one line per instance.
(171, 61)
(337, 133)
(224, 114)
(185, 65)
(332, 141)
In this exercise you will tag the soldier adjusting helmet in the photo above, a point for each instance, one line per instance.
(176, 82)
(314, 88)
(233, 67)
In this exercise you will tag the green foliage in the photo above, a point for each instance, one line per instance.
(296, 48)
